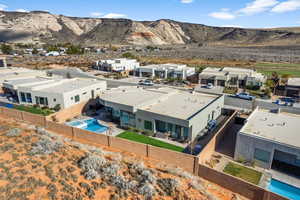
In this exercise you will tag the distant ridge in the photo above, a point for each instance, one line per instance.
(44, 27)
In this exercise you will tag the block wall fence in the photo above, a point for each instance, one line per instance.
(185, 161)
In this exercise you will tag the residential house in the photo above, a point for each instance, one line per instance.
(50, 92)
(179, 114)
(165, 71)
(270, 140)
(231, 77)
(117, 65)
(292, 88)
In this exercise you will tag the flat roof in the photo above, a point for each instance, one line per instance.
(163, 101)
(26, 80)
(132, 96)
(181, 105)
(294, 82)
(67, 85)
(278, 127)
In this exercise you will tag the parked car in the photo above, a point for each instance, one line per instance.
(209, 86)
(146, 83)
(244, 95)
(197, 149)
(212, 124)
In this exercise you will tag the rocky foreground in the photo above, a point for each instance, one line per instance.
(37, 164)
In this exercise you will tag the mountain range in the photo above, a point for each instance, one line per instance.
(44, 27)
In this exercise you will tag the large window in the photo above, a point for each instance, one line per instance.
(161, 126)
(23, 98)
(28, 98)
(41, 101)
(262, 155)
(148, 125)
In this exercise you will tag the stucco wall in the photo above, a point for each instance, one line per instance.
(245, 147)
(199, 121)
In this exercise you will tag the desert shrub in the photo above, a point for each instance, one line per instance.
(147, 190)
(92, 165)
(45, 146)
(15, 132)
(120, 182)
(146, 176)
(110, 169)
(168, 185)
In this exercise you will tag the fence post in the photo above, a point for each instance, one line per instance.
(196, 165)
(73, 133)
(147, 151)
(108, 141)
(22, 115)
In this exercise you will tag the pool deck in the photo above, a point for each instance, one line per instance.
(291, 180)
(114, 131)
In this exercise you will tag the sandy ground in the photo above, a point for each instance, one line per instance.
(57, 175)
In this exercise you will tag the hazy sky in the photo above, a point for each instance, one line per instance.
(242, 13)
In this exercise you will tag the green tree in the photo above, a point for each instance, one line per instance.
(75, 50)
(6, 49)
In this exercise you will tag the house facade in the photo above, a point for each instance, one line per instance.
(270, 140)
(117, 65)
(231, 77)
(292, 88)
(50, 92)
(164, 71)
(179, 114)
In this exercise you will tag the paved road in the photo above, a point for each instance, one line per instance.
(230, 101)
(245, 104)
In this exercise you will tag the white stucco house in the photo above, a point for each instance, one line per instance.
(50, 92)
(181, 114)
(117, 65)
(165, 71)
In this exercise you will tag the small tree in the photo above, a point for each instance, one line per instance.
(6, 49)
(35, 51)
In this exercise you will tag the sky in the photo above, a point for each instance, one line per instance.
(236, 13)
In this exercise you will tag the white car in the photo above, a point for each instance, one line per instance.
(244, 95)
(209, 86)
(146, 83)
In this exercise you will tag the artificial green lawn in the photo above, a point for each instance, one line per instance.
(34, 110)
(147, 140)
(245, 173)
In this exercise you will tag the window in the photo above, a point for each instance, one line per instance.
(72, 98)
(262, 155)
(148, 125)
(28, 98)
(41, 100)
(54, 100)
(23, 98)
(77, 98)
(84, 93)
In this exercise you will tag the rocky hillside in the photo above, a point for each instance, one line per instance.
(45, 27)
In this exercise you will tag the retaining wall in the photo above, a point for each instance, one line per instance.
(129, 146)
(60, 129)
(90, 137)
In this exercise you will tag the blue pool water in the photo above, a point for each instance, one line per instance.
(284, 190)
(89, 125)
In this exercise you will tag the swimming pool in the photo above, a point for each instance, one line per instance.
(284, 189)
(89, 125)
